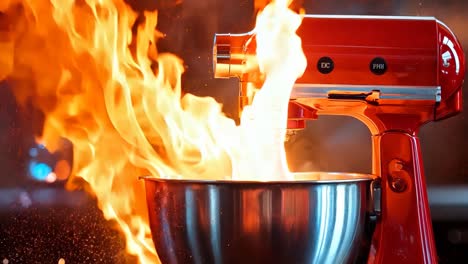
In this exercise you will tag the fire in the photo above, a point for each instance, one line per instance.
(263, 123)
(119, 101)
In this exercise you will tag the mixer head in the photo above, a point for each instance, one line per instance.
(374, 68)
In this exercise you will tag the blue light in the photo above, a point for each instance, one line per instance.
(39, 171)
(33, 152)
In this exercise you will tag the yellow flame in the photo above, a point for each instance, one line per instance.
(119, 101)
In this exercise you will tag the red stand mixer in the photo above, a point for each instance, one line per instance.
(394, 74)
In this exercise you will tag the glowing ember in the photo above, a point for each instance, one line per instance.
(119, 101)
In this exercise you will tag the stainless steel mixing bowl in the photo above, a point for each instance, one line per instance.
(319, 218)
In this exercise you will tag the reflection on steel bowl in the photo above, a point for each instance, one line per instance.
(318, 218)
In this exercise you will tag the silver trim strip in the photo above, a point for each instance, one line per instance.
(386, 92)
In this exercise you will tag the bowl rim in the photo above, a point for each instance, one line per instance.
(320, 177)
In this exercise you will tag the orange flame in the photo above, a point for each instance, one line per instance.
(119, 101)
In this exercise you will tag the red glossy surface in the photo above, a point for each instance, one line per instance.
(451, 72)
(404, 232)
(409, 48)
(298, 114)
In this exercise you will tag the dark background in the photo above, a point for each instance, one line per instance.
(39, 222)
